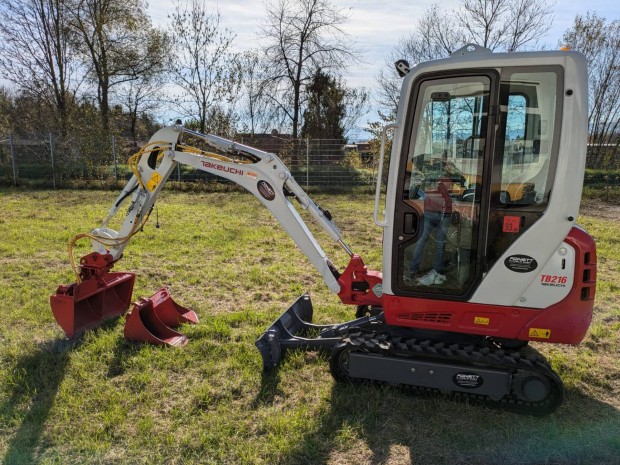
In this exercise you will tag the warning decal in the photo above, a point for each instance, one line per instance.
(511, 224)
(539, 333)
(153, 182)
(480, 320)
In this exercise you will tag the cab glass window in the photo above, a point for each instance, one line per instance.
(443, 185)
(528, 114)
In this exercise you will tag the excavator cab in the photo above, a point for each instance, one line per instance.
(490, 152)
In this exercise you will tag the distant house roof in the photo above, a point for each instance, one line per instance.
(361, 147)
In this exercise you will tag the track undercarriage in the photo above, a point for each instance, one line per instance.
(367, 350)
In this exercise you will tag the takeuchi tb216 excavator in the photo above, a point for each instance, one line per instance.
(481, 252)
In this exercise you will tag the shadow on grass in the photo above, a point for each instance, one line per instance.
(269, 389)
(36, 379)
(35, 383)
(378, 424)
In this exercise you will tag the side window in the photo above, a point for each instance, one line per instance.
(525, 154)
(528, 107)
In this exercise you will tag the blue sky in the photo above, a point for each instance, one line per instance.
(375, 25)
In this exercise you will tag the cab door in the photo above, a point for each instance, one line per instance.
(442, 199)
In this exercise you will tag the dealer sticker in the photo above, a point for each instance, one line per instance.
(521, 263)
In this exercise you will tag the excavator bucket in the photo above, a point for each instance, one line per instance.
(169, 312)
(151, 320)
(99, 296)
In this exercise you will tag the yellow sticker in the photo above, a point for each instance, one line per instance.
(480, 320)
(153, 182)
(540, 333)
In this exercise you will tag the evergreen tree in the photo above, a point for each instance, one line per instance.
(324, 116)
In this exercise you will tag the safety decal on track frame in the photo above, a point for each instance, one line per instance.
(539, 333)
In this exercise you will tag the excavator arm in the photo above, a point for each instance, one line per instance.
(100, 294)
(261, 173)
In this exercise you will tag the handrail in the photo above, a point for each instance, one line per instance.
(381, 224)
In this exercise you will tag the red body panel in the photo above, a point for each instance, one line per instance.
(564, 322)
(358, 276)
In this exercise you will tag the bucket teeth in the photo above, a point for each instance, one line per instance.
(151, 320)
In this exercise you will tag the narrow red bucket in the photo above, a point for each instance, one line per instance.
(101, 295)
(169, 312)
(144, 325)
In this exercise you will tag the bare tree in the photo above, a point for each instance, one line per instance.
(508, 25)
(599, 40)
(505, 24)
(300, 36)
(118, 41)
(204, 66)
(140, 97)
(258, 112)
(436, 35)
(35, 53)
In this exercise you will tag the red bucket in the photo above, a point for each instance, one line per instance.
(151, 319)
(81, 306)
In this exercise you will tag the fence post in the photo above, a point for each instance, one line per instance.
(115, 159)
(179, 173)
(53, 161)
(13, 159)
(307, 162)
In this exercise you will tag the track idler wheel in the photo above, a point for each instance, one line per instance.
(339, 361)
(531, 387)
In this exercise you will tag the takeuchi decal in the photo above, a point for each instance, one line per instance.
(225, 169)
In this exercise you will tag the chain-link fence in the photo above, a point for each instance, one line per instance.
(43, 161)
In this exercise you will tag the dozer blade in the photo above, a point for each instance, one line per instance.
(81, 306)
(152, 319)
(290, 331)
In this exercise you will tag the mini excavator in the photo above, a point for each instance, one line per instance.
(481, 250)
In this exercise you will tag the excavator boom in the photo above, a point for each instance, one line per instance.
(100, 294)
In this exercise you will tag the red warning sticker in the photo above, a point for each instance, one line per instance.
(511, 224)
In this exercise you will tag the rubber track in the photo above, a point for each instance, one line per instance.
(470, 356)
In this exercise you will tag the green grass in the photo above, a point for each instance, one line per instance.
(102, 400)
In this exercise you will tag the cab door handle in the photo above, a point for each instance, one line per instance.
(410, 224)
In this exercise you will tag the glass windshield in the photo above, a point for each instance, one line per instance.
(444, 184)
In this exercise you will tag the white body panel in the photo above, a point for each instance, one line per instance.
(501, 286)
(267, 179)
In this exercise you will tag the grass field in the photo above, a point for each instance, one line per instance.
(102, 400)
